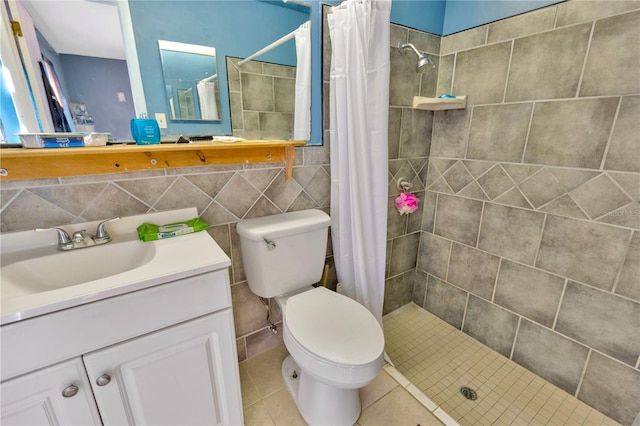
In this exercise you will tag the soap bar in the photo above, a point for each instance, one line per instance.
(151, 232)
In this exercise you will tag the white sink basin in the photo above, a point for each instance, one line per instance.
(36, 278)
(37, 274)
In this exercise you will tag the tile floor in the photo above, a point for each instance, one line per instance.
(433, 360)
(439, 359)
(387, 401)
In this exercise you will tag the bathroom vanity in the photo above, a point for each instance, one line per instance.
(154, 344)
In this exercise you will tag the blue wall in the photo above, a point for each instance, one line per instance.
(423, 15)
(462, 15)
(96, 82)
(234, 28)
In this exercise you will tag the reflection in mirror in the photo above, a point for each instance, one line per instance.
(190, 80)
(273, 101)
(209, 23)
(262, 99)
(87, 59)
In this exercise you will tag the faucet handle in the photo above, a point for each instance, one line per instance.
(102, 236)
(64, 240)
(80, 236)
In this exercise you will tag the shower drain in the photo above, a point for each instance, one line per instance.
(469, 393)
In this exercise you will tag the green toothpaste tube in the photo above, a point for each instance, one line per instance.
(152, 232)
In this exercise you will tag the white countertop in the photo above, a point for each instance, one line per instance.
(174, 258)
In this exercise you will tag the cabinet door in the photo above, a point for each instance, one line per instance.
(182, 375)
(56, 395)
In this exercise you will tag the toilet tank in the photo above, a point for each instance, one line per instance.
(283, 252)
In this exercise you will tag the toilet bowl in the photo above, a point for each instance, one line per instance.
(335, 344)
(336, 347)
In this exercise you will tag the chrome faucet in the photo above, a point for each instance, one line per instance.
(81, 239)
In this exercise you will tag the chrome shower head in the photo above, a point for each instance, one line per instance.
(424, 61)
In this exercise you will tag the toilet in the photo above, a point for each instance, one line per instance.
(335, 344)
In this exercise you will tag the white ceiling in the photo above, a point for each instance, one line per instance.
(79, 27)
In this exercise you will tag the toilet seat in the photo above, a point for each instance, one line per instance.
(334, 328)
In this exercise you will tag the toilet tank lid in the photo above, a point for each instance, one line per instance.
(283, 225)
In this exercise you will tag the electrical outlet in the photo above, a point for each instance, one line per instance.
(162, 120)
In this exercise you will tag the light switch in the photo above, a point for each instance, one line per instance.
(121, 97)
(161, 119)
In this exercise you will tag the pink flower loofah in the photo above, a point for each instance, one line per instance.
(406, 203)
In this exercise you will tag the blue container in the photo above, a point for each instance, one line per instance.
(145, 131)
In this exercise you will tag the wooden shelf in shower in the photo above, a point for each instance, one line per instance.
(21, 163)
(439, 104)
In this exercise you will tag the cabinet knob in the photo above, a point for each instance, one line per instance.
(70, 391)
(103, 380)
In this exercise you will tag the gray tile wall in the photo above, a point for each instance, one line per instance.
(261, 98)
(531, 230)
(409, 145)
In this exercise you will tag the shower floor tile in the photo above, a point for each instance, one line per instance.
(439, 359)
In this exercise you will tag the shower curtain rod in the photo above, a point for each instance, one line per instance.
(271, 46)
(208, 79)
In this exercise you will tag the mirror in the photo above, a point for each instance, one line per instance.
(190, 80)
(233, 28)
(210, 23)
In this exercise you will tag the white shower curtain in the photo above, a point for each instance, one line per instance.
(207, 100)
(359, 104)
(302, 116)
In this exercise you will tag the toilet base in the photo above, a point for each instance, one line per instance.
(319, 403)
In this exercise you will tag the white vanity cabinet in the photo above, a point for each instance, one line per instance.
(161, 355)
(172, 377)
(56, 395)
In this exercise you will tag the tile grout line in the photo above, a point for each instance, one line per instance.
(617, 184)
(446, 275)
(555, 318)
(584, 371)
(605, 154)
(464, 311)
(506, 82)
(495, 282)
(535, 258)
(619, 273)
(586, 57)
(526, 138)
(588, 218)
(480, 225)
(515, 338)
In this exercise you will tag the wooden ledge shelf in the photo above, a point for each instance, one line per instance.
(21, 163)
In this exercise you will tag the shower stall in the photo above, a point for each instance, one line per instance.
(511, 293)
